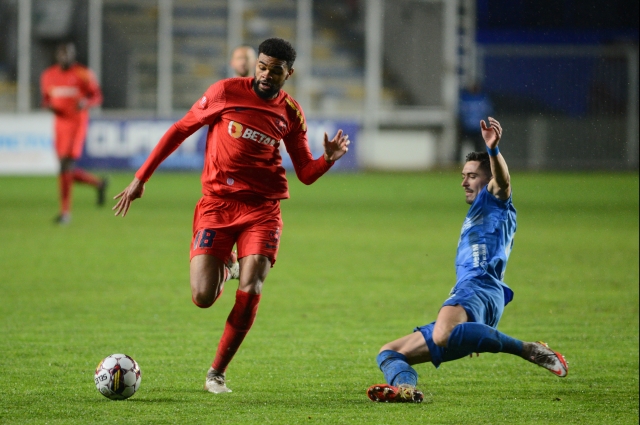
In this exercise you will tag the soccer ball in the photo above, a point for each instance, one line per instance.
(118, 377)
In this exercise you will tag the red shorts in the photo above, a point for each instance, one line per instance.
(70, 135)
(219, 223)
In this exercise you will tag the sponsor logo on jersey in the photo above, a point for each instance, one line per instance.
(479, 253)
(236, 130)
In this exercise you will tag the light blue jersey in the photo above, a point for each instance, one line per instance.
(486, 240)
(485, 243)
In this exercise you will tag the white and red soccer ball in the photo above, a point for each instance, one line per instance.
(118, 377)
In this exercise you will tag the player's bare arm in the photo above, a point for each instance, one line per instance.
(335, 148)
(132, 192)
(500, 184)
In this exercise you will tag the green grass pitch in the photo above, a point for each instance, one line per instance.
(363, 259)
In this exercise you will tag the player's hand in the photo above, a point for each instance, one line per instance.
(134, 191)
(338, 146)
(491, 134)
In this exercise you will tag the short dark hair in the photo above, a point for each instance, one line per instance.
(483, 159)
(279, 49)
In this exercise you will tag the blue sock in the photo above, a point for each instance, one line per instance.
(479, 338)
(396, 369)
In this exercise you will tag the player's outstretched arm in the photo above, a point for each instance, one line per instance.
(500, 184)
(134, 191)
(170, 141)
(335, 148)
(308, 169)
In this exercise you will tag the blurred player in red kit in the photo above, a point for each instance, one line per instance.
(69, 90)
(243, 182)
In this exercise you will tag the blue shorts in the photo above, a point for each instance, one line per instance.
(484, 302)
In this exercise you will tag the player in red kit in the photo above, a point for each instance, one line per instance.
(69, 90)
(243, 182)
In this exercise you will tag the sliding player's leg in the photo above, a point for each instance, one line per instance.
(467, 324)
(470, 337)
(451, 337)
(479, 338)
(394, 360)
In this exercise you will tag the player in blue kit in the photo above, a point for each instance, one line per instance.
(468, 319)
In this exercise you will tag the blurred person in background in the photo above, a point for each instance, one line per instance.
(68, 90)
(243, 182)
(243, 61)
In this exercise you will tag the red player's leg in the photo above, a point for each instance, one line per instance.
(254, 271)
(236, 328)
(63, 145)
(207, 276)
(65, 182)
(83, 176)
(101, 184)
(257, 228)
(79, 135)
(211, 249)
(80, 175)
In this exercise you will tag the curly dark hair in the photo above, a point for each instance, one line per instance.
(279, 49)
(483, 159)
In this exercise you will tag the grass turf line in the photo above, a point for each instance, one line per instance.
(363, 259)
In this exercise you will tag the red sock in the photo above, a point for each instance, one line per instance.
(82, 176)
(238, 324)
(65, 182)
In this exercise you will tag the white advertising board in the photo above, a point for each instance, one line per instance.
(26, 144)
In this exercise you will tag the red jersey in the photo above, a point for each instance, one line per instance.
(242, 156)
(63, 89)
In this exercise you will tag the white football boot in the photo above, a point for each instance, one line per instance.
(233, 267)
(543, 356)
(216, 382)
